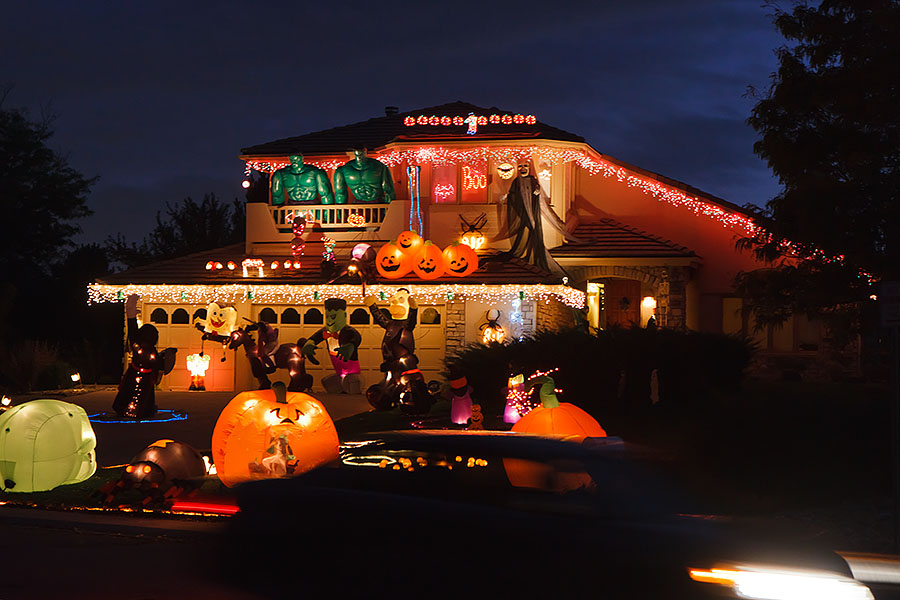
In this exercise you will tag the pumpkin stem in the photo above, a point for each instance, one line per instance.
(547, 391)
(280, 392)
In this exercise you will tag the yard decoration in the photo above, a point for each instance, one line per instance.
(429, 262)
(477, 420)
(460, 399)
(343, 342)
(392, 262)
(410, 243)
(403, 382)
(556, 418)
(460, 260)
(45, 444)
(368, 178)
(272, 433)
(220, 320)
(165, 469)
(362, 259)
(136, 397)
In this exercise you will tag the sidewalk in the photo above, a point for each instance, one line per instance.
(117, 443)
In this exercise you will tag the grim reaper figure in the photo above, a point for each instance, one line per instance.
(526, 213)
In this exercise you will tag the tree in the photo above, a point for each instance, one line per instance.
(830, 131)
(40, 196)
(188, 227)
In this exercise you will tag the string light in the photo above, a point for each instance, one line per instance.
(415, 207)
(514, 293)
(472, 179)
(471, 120)
(443, 191)
(298, 226)
(250, 263)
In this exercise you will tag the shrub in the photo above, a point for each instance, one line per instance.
(592, 368)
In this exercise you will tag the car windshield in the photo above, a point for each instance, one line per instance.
(596, 476)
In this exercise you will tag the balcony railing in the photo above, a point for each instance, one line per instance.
(331, 216)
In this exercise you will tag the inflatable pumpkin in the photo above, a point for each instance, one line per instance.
(392, 262)
(460, 260)
(553, 418)
(272, 433)
(429, 262)
(410, 243)
(45, 444)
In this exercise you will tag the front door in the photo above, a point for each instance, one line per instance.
(622, 302)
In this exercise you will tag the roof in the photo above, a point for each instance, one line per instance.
(607, 238)
(380, 131)
(494, 268)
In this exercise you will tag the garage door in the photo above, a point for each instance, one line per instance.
(294, 322)
(175, 330)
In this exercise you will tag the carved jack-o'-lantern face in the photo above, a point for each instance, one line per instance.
(272, 433)
(460, 260)
(429, 262)
(410, 242)
(392, 262)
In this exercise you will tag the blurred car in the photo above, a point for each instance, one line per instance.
(477, 514)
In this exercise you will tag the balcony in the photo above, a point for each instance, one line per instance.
(336, 217)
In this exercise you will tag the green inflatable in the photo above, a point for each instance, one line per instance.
(45, 444)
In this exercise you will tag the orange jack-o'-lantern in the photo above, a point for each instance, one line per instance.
(460, 260)
(272, 433)
(410, 242)
(392, 262)
(429, 262)
(552, 418)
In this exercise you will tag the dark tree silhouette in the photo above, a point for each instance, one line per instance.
(187, 227)
(40, 197)
(830, 131)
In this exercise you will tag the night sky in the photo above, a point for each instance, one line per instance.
(157, 98)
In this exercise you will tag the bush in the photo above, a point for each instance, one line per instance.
(56, 376)
(609, 372)
(21, 363)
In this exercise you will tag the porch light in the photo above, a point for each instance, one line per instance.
(649, 303)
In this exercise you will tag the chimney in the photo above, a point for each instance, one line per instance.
(390, 111)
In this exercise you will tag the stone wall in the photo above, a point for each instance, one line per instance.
(554, 315)
(455, 330)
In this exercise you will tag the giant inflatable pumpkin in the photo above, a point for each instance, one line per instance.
(44, 444)
(552, 418)
(410, 243)
(392, 262)
(272, 433)
(460, 260)
(429, 262)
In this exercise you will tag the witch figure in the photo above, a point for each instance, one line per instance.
(136, 397)
(526, 211)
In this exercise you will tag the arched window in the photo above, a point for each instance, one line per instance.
(268, 315)
(180, 317)
(290, 317)
(200, 313)
(430, 316)
(313, 316)
(359, 316)
(159, 315)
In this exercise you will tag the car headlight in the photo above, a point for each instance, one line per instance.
(769, 583)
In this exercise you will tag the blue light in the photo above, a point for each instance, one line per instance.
(415, 210)
(161, 416)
